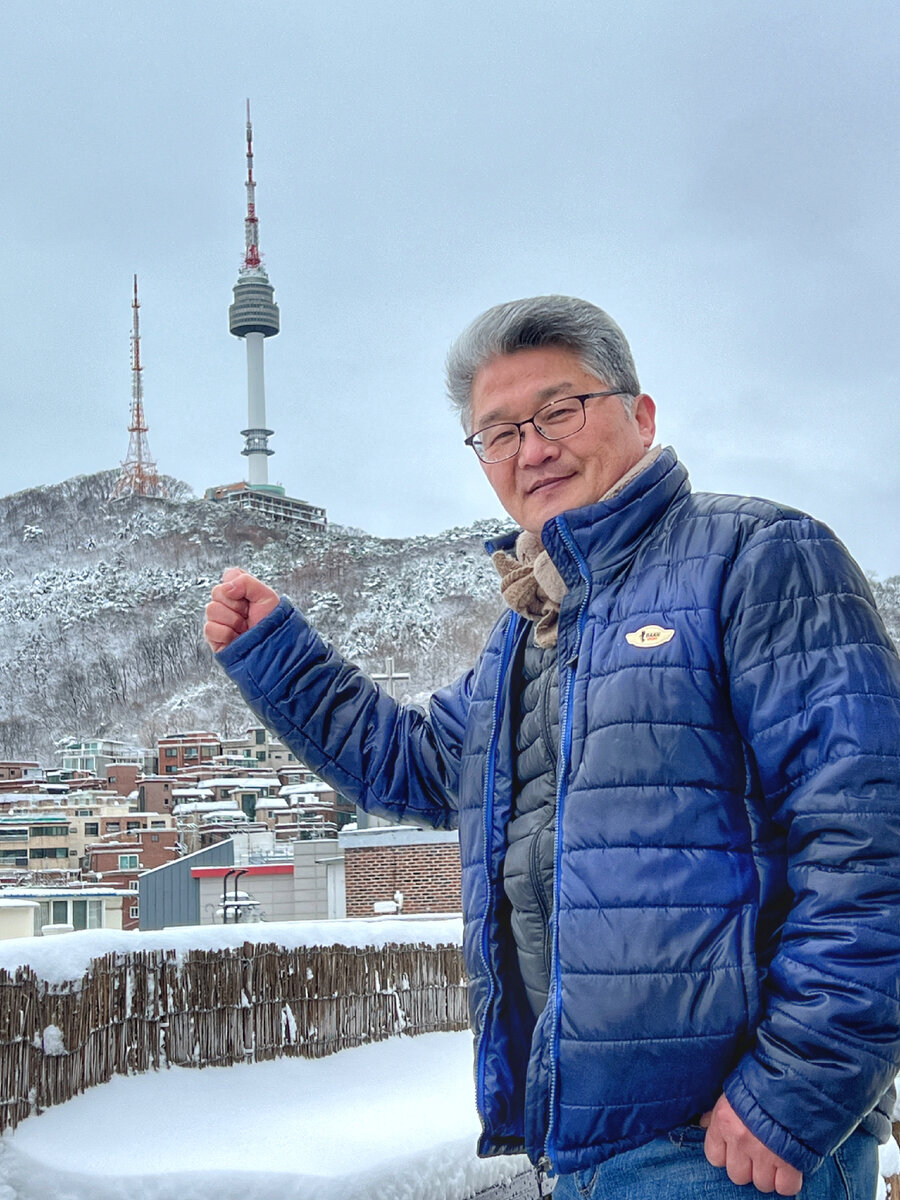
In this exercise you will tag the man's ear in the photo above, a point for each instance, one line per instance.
(645, 415)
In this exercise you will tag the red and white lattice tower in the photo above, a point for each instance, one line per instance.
(138, 476)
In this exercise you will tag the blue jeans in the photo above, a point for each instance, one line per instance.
(674, 1167)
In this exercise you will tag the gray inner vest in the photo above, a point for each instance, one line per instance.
(528, 867)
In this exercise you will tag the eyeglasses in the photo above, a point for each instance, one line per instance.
(557, 420)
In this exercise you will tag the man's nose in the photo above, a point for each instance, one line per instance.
(533, 449)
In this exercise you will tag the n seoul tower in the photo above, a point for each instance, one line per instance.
(254, 316)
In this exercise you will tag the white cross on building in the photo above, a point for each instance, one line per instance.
(389, 677)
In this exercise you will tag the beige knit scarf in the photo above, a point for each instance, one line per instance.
(530, 582)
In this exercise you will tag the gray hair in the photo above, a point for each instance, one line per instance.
(541, 321)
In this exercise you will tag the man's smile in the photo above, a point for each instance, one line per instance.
(541, 485)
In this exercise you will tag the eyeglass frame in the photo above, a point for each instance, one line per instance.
(470, 440)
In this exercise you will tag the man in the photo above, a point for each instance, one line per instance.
(675, 774)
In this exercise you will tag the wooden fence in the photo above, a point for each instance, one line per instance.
(206, 1008)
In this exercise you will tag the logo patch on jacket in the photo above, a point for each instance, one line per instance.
(650, 635)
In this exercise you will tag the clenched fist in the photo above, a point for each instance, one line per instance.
(238, 603)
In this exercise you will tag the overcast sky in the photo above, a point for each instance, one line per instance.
(722, 177)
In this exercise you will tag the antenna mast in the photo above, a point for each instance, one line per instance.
(251, 222)
(138, 476)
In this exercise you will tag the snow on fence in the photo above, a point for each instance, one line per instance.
(135, 1010)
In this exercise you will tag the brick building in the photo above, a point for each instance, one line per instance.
(20, 770)
(400, 867)
(120, 863)
(177, 751)
(154, 793)
(122, 778)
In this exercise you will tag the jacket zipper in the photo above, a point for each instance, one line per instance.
(565, 746)
(487, 821)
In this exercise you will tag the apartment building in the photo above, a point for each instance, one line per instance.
(54, 837)
(120, 862)
(179, 751)
(93, 755)
(257, 743)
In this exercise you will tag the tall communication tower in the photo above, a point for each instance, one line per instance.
(254, 316)
(138, 476)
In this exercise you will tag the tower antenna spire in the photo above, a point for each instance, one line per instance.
(254, 317)
(138, 476)
(251, 222)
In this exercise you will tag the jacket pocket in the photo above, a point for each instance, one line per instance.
(749, 964)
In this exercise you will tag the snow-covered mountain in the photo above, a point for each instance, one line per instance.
(101, 608)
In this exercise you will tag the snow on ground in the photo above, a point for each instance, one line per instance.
(68, 956)
(394, 1120)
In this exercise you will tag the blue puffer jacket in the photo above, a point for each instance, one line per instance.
(727, 877)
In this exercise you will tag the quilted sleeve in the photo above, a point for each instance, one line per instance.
(815, 689)
(390, 759)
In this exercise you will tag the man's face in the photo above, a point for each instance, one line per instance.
(547, 478)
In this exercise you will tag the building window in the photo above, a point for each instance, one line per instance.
(48, 852)
(157, 824)
(91, 828)
(260, 737)
(154, 837)
(128, 862)
(207, 751)
(84, 812)
(130, 825)
(170, 769)
(113, 826)
(171, 751)
(87, 914)
(134, 912)
(18, 834)
(49, 831)
(260, 756)
(81, 914)
(14, 858)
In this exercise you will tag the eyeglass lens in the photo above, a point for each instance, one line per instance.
(559, 419)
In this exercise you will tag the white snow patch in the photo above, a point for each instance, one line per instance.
(59, 959)
(889, 1158)
(52, 1041)
(394, 1121)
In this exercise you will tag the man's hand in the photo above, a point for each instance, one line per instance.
(238, 603)
(730, 1144)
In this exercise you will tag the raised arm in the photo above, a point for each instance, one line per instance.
(389, 758)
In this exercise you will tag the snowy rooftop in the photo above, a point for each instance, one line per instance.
(246, 782)
(206, 806)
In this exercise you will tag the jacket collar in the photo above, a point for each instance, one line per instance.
(607, 534)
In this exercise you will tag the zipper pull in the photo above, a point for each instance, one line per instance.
(540, 1173)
